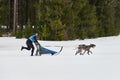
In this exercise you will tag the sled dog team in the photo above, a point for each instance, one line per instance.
(41, 50)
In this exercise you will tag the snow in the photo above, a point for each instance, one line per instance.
(103, 64)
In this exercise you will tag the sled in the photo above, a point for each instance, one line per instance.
(42, 50)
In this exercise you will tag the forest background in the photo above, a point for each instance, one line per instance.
(60, 19)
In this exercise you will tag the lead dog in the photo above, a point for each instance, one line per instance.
(85, 48)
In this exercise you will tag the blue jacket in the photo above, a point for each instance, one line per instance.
(32, 38)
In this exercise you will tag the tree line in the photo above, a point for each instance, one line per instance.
(61, 19)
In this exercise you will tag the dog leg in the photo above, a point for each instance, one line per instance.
(88, 52)
(84, 52)
(76, 53)
(81, 53)
(91, 52)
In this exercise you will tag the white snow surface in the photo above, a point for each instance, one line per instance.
(103, 64)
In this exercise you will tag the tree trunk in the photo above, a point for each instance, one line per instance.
(15, 19)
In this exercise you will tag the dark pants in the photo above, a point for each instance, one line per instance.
(29, 46)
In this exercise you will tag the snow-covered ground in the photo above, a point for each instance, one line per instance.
(103, 64)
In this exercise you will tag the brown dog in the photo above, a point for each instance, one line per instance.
(85, 48)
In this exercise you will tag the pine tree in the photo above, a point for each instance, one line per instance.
(87, 27)
(116, 5)
(4, 12)
(105, 14)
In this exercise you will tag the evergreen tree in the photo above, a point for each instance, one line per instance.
(87, 27)
(105, 14)
(45, 33)
(4, 12)
(116, 5)
(64, 19)
(28, 30)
